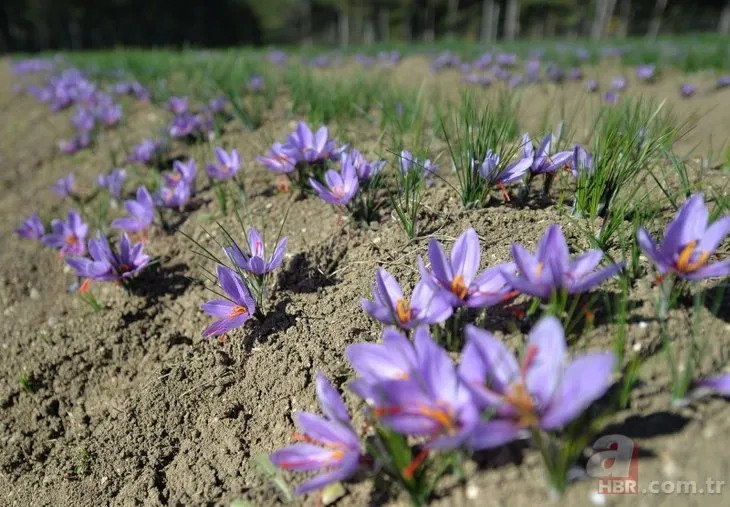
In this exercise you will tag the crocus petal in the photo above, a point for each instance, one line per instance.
(302, 457)
(710, 271)
(595, 279)
(225, 325)
(527, 264)
(720, 384)
(487, 366)
(585, 263)
(389, 289)
(347, 468)
(495, 433)
(714, 235)
(218, 307)
(333, 179)
(440, 265)
(649, 247)
(689, 225)
(465, 255)
(233, 286)
(330, 400)
(278, 256)
(380, 312)
(585, 380)
(546, 345)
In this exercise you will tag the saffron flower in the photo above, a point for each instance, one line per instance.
(543, 390)
(108, 265)
(255, 261)
(325, 443)
(341, 187)
(582, 162)
(173, 197)
(113, 182)
(645, 72)
(618, 83)
(64, 187)
(182, 173)
(687, 90)
(394, 359)
(140, 212)
(227, 167)
(68, 236)
(431, 403)
(146, 152)
(31, 228)
(232, 312)
(178, 105)
(542, 161)
(389, 306)
(511, 174)
(611, 97)
(364, 168)
(186, 125)
(719, 384)
(280, 158)
(312, 147)
(551, 268)
(456, 277)
(110, 114)
(689, 242)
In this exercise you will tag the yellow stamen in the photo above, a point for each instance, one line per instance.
(458, 286)
(443, 417)
(683, 263)
(522, 402)
(403, 309)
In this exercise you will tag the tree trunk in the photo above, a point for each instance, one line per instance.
(384, 24)
(487, 30)
(656, 21)
(306, 7)
(344, 29)
(604, 11)
(512, 20)
(623, 27)
(452, 15)
(368, 36)
(495, 22)
(724, 25)
(429, 32)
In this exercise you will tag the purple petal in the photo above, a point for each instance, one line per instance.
(439, 264)
(585, 380)
(348, 467)
(495, 433)
(719, 384)
(303, 457)
(594, 279)
(546, 350)
(710, 271)
(714, 235)
(218, 307)
(689, 225)
(465, 255)
(649, 247)
(330, 400)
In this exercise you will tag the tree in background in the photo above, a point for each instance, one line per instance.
(32, 25)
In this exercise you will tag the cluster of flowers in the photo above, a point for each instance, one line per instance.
(190, 125)
(491, 397)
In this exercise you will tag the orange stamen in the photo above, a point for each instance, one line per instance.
(238, 311)
(413, 465)
(403, 309)
(539, 268)
(84, 287)
(683, 263)
(458, 286)
(443, 417)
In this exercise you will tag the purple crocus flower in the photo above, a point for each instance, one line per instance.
(232, 312)
(364, 168)
(542, 161)
(110, 114)
(723, 82)
(256, 83)
(689, 242)
(645, 72)
(173, 197)
(186, 124)
(432, 403)
(591, 85)
(31, 228)
(113, 181)
(514, 172)
(389, 306)
(544, 390)
(255, 261)
(280, 158)
(718, 384)
(227, 167)
(312, 147)
(611, 97)
(83, 119)
(341, 187)
(108, 265)
(551, 268)
(182, 172)
(140, 212)
(687, 90)
(618, 83)
(575, 74)
(64, 187)
(178, 105)
(145, 152)
(217, 105)
(68, 236)
(325, 443)
(456, 277)
(582, 162)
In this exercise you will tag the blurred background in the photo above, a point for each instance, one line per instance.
(37, 25)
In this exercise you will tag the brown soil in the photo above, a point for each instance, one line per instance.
(131, 407)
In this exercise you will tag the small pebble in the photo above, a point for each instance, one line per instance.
(34, 294)
(637, 347)
(643, 325)
(472, 492)
(597, 498)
